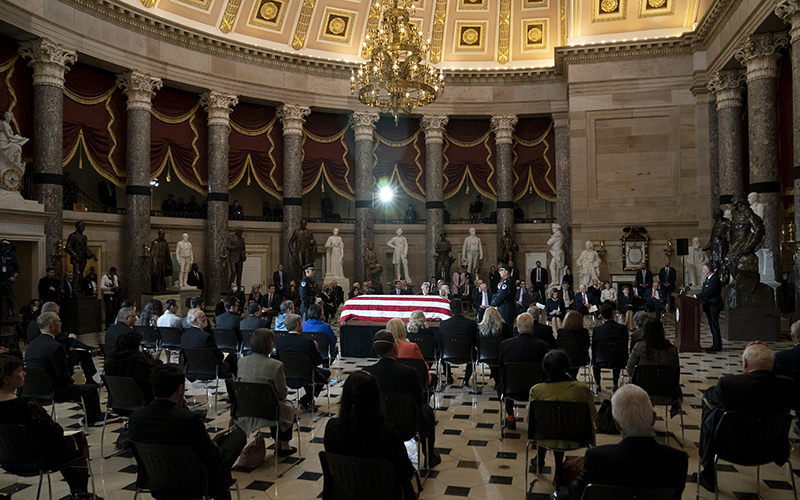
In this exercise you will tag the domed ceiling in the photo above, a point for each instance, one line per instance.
(464, 34)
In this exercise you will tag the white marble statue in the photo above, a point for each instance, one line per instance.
(472, 250)
(556, 241)
(185, 257)
(400, 246)
(588, 265)
(756, 204)
(334, 248)
(11, 143)
(693, 264)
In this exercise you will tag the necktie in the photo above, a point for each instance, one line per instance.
(538, 274)
(584, 299)
(520, 295)
(280, 275)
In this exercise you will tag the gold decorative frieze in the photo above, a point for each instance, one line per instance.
(470, 36)
(535, 33)
(535, 4)
(229, 17)
(653, 8)
(372, 22)
(301, 29)
(148, 4)
(336, 26)
(504, 31)
(268, 14)
(197, 4)
(473, 5)
(609, 10)
(437, 31)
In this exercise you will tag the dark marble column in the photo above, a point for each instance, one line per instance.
(713, 149)
(363, 125)
(759, 54)
(292, 117)
(139, 88)
(433, 126)
(563, 181)
(49, 62)
(218, 106)
(727, 87)
(503, 128)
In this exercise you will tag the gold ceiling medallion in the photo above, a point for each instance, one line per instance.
(197, 4)
(535, 4)
(472, 5)
(536, 33)
(337, 26)
(654, 8)
(396, 78)
(656, 4)
(610, 10)
(471, 36)
(609, 6)
(268, 14)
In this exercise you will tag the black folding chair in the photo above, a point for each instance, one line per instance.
(22, 455)
(299, 371)
(170, 341)
(124, 398)
(244, 348)
(578, 353)
(489, 352)
(202, 365)
(150, 339)
(427, 346)
(250, 399)
(226, 340)
(603, 492)
(356, 478)
(459, 350)
(39, 387)
(106, 349)
(611, 353)
(663, 384)
(516, 380)
(171, 469)
(422, 370)
(323, 345)
(402, 411)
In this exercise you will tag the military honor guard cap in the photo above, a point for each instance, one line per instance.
(309, 267)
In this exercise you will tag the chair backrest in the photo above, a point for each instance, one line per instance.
(245, 335)
(658, 380)
(457, 349)
(516, 379)
(251, 399)
(560, 420)
(298, 368)
(403, 412)
(170, 337)
(226, 339)
(106, 349)
(420, 366)
(753, 438)
(38, 385)
(356, 478)
(149, 334)
(610, 353)
(20, 453)
(322, 340)
(426, 343)
(200, 362)
(603, 492)
(577, 351)
(170, 469)
(124, 394)
(489, 349)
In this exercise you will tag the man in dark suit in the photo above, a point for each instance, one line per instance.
(49, 286)
(610, 329)
(594, 292)
(712, 294)
(789, 360)
(46, 353)
(163, 421)
(78, 353)
(483, 300)
(758, 389)
(231, 318)
(654, 300)
(254, 320)
(539, 280)
(523, 348)
(645, 279)
(270, 304)
(295, 342)
(666, 277)
(195, 278)
(458, 325)
(67, 291)
(540, 330)
(583, 300)
(523, 298)
(280, 280)
(513, 272)
(503, 300)
(196, 338)
(395, 377)
(637, 460)
(126, 318)
(400, 289)
(425, 289)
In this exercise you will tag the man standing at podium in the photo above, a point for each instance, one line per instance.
(712, 294)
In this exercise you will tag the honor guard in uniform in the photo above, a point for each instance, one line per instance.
(308, 290)
(503, 300)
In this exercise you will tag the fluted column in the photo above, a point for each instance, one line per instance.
(433, 126)
(218, 106)
(727, 87)
(503, 128)
(563, 181)
(49, 62)
(139, 88)
(363, 125)
(759, 54)
(292, 117)
(789, 11)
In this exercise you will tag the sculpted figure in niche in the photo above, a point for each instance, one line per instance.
(237, 255)
(77, 248)
(11, 143)
(747, 234)
(400, 257)
(442, 257)
(693, 264)
(303, 246)
(185, 257)
(555, 242)
(718, 243)
(508, 247)
(472, 250)
(160, 262)
(371, 265)
(334, 248)
(589, 265)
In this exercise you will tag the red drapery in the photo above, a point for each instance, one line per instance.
(328, 145)
(469, 152)
(256, 148)
(534, 158)
(399, 153)
(16, 92)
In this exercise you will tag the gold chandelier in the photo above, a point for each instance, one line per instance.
(396, 76)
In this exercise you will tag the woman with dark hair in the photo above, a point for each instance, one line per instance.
(260, 368)
(573, 328)
(360, 430)
(568, 278)
(626, 306)
(555, 309)
(291, 292)
(128, 360)
(494, 279)
(57, 447)
(559, 386)
(151, 312)
(655, 349)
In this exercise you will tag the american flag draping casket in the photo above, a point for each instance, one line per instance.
(382, 308)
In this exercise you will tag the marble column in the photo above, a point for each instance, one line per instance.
(713, 149)
(759, 54)
(139, 88)
(563, 181)
(292, 117)
(433, 126)
(727, 87)
(218, 106)
(49, 62)
(789, 11)
(503, 128)
(363, 125)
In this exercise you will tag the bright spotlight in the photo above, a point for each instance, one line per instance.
(386, 194)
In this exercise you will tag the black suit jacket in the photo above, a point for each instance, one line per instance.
(293, 342)
(195, 338)
(712, 294)
(395, 377)
(275, 303)
(635, 461)
(609, 330)
(253, 323)
(539, 284)
(193, 280)
(543, 332)
(458, 325)
(228, 321)
(114, 331)
(579, 303)
(276, 280)
(524, 348)
(644, 277)
(787, 361)
(69, 290)
(48, 354)
(45, 294)
(667, 277)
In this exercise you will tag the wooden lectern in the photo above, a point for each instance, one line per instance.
(687, 322)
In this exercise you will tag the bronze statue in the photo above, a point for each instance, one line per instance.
(719, 241)
(508, 247)
(236, 255)
(160, 262)
(77, 248)
(442, 257)
(302, 246)
(371, 265)
(747, 234)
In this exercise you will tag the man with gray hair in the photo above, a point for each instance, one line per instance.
(637, 460)
(197, 338)
(78, 352)
(126, 318)
(295, 342)
(758, 389)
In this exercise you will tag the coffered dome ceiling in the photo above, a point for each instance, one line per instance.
(464, 34)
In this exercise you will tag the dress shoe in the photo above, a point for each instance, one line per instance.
(434, 459)
(510, 424)
(705, 481)
(282, 452)
(309, 406)
(714, 348)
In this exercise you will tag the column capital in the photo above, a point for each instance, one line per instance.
(48, 59)
(503, 128)
(789, 11)
(363, 124)
(139, 88)
(727, 87)
(759, 54)
(433, 126)
(561, 120)
(292, 116)
(218, 106)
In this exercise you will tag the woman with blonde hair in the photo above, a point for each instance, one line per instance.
(445, 292)
(406, 349)
(492, 324)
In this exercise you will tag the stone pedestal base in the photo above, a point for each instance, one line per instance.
(751, 323)
(82, 316)
(765, 264)
(342, 282)
(183, 296)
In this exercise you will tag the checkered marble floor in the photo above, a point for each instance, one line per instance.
(476, 464)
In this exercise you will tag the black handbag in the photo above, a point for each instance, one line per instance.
(605, 421)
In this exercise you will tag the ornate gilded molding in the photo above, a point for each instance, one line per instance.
(364, 125)
(609, 10)
(655, 8)
(503, 128)
(229, 17)
(437, 31)
(148, 4)
(293, 116)
(139, 88)
(48, 59)
(789, 11)
(759, 54)
(301, 29)
(218, 105)
(504, 26)
(727, 87)
(433, 126)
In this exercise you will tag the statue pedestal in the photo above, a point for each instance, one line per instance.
(750, 315)
(82, 315)
(765, 265)
(342, 282)
(183, 295)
